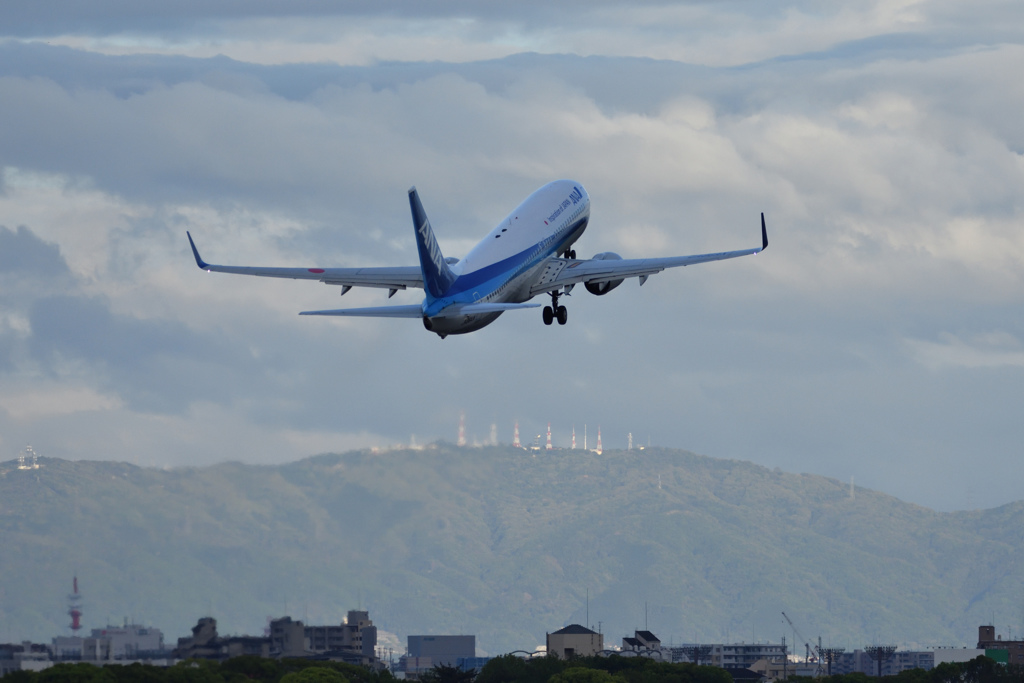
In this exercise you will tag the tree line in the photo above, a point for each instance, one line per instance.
(504, 669)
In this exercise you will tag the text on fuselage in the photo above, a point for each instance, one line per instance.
(574, 198)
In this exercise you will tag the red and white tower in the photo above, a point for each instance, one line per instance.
(462, 429)
(548, 447)
(574, 437)
(515, 437)
(75, 607)
(598, 450)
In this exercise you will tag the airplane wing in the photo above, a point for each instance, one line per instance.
(394, 278)
(564, 272)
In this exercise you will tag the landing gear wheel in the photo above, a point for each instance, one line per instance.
(563, 315)
(572, 255)
(549, 315)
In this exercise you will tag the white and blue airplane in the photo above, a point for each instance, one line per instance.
(528, 254)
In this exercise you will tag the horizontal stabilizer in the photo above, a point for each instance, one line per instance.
(412, 311)
(477, 309)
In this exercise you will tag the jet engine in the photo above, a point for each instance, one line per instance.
(602, 288)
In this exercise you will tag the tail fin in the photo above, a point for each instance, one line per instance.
(437, 276)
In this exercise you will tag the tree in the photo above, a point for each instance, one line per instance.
(580, 674)
(503, 669)
(314, 674)
(447, 674)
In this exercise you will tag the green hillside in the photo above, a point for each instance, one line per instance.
(497, 542)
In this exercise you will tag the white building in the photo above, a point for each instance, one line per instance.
(131, 640)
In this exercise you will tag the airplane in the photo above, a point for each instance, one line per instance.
(529, 253)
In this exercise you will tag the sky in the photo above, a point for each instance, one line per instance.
(879, 337)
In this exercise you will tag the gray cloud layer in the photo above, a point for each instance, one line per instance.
(878, 337)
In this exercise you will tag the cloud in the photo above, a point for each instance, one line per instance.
(58, 399)
(992, 350)
(882, 147)
(361, 34)
(24, 254)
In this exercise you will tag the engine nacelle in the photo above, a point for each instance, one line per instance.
(602, 288)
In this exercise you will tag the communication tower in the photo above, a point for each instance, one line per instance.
(515, 437)
(630, 446)
(462, 429)
(548, 446)
(75, 607)
(599, 450)
(494, 434)
(574, 437)
(28, 460)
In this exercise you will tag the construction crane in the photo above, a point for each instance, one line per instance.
(807, 644)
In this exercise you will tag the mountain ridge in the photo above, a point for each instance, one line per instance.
(503, 543)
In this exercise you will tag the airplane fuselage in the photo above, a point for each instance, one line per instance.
(504, 265)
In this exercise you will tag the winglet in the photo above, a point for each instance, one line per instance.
(195, 252)
(764, 235)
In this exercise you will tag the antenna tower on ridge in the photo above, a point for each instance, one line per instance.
(548, 446)
(462, 429)
(599, 450)
(515, 437)
(28, 460)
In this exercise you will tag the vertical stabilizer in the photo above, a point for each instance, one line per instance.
(437, 276)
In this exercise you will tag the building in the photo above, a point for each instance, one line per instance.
(288, 638)
(860, 661)
(781, 670)
(206, 644)
(908, 660)
(25, 656)
(76, 648)
(727, 655)
(354, 641)
(574, 641)
(956, 654)
(745, 655)
(472, 663)
(444, 650)
(423, 653)
(988, 640)
(643, 642)
(128, 642)
(132, 641)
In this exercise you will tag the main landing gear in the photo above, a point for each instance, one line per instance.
(555, 311)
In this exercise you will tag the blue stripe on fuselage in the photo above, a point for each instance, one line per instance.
(490, 278)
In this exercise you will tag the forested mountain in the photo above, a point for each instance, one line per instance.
(502, 543)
